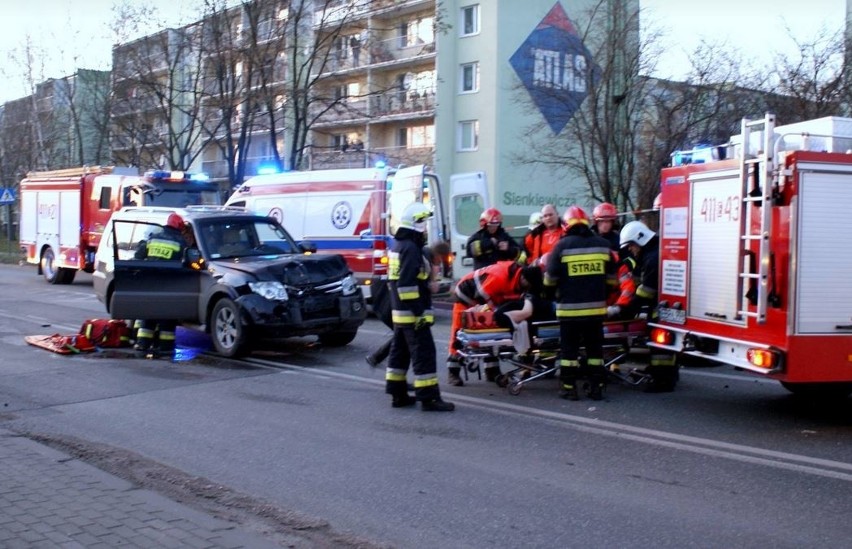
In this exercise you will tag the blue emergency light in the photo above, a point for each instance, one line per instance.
(176, 175)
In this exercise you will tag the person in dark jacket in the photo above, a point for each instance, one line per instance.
(409, 277)
(382, 302)
(157, 337)
(581, 270)
(605, 216)
(644, 245)
(491, 243)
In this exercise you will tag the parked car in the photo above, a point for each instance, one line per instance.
(242, 279)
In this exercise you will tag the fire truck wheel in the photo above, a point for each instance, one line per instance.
(227, 330)
(52, 273)
(819, 391)
(337, 339)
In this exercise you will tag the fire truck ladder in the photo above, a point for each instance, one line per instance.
(756, 171)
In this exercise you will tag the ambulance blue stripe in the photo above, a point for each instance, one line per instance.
(348, 244)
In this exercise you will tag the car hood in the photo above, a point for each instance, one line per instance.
(292, 270)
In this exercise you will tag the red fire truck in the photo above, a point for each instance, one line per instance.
(63, 212)
(753, 267)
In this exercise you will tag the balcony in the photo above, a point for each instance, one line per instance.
(389, 51)
(392, 156)
(396, 103)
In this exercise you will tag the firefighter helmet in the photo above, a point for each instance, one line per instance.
(535, 220)
(658, 201)
(575, 215)
(490, 216)
(175, 221)
(605, 212)
(414, 217)
(636, 232)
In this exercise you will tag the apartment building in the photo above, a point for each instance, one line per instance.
(454, 84)
(381, 80)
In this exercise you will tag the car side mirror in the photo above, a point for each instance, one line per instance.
(306, 246)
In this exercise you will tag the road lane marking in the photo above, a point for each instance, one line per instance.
(715, 448)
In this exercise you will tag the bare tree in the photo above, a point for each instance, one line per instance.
(158, 95)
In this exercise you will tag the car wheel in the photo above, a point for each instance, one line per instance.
(337, 339)
(226, 329)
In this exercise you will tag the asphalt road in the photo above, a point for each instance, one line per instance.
(728, 460)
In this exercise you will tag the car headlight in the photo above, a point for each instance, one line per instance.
(349, 285)
(271, 289)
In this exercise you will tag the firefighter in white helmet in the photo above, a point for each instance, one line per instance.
(409, 277)
(644, 246)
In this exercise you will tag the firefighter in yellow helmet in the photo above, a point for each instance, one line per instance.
(581, 269)
(409, 276)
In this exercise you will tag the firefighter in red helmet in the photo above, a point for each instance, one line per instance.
(605, 216)
(491, 243)
(157, 337)
(581, 270)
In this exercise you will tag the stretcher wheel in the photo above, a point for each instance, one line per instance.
(514, 388)
(502, 380)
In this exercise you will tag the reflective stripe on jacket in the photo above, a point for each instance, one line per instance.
(581, 269)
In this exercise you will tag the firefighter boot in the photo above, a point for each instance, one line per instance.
(597, 383)
(437, 405)
(454, 371)
(492, 369)
(569, 391)
(144, 340)
(403, 400)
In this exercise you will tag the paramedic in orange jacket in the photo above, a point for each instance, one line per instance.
(543, 238)
(492, 285)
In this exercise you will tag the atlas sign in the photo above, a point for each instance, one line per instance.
(556, 68)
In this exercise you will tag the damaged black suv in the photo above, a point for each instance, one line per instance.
(238, 276)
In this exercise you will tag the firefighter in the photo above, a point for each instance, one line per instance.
(491, 285)
(644, 245)
(605, 215)
(158, 336)
(580, 269)
(381, 298)
(542, 239)
(409, 276)
(491, 243)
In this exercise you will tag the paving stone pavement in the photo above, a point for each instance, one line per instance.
(49, 499)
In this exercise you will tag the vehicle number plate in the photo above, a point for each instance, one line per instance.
(673, 316)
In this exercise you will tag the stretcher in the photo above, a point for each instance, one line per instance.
(532, 351)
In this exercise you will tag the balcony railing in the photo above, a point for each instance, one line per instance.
(392, 156)
(403, 102)
(374, 52)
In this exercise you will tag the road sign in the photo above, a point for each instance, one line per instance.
(7, 196)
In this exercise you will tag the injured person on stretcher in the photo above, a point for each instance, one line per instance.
(530, 345)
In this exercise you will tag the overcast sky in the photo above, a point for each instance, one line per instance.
(81, 28)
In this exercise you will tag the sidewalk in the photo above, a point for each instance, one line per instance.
(49, 499)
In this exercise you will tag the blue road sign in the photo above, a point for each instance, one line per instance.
(7, 196)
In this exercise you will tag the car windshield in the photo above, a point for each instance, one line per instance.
(223, 239)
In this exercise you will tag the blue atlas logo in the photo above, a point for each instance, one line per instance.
(556, 68)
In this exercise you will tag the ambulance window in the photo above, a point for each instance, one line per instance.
(238, 204)
(106, 196)
(467, 209)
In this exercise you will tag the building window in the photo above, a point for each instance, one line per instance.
(468, 135)
(470, 78)
(470, 20)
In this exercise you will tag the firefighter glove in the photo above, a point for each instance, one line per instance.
(613, 311)
(421, 323)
